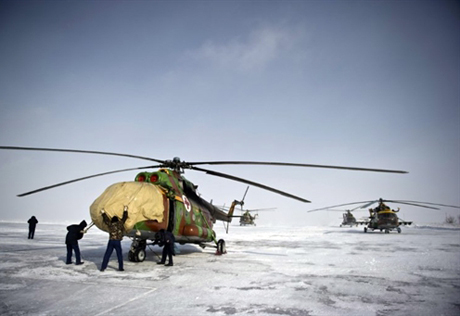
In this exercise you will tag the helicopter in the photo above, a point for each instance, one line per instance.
(350, 220)
(245, 218)
(165, 199)
(248, 219)
(384, 218)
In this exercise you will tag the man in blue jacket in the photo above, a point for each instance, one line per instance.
(74, 234)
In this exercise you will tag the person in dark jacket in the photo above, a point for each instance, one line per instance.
(32, 224)
(116, 231)
(74, 234)
(167, 240)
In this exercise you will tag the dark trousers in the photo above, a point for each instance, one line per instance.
(167, 251)
(113, 244)
(31, 232)
(69, 253)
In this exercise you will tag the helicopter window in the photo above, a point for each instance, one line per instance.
(154, 178)
(164, 171)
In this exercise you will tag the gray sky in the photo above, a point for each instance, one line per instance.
(353, 83)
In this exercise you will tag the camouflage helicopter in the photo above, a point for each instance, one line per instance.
(384, 218)
(165, 199)
(350, 220)
(245, 218)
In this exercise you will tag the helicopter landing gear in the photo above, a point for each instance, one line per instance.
(387, 231)
(221, 249)
(365, 229)
(137, 251)
(399, 230)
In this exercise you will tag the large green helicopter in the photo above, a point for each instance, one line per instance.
(382, 217)
(165, 199)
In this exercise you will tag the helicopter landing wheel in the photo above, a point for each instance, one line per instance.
(137, 251)
(221, 249)
(365, 229)
(399, 230)
(387, 231)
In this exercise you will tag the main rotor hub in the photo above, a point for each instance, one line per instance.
(176, 164)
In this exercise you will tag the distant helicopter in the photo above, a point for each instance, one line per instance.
(350, 220)
(384, 218)
(245, 218)
(165, 199)
(248, 219)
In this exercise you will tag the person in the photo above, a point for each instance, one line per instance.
(167, 240)
(74, 233)
(32, 224)
(116, 230)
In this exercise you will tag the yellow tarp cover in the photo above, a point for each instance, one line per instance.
(144, 201)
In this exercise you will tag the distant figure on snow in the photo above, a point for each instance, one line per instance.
(167, 240)
(74, 233)
(116, 230)
(32, 224)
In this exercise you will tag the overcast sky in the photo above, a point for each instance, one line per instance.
(353, 83)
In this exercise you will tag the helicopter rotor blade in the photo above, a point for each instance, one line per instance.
(292, 165)
(83, 178)
(262, 209)
(246, 192)
(339, 205)
(82, 152)
(189, 165)
(369, 203)
(227, 176)
(413, 204)
(428, 203)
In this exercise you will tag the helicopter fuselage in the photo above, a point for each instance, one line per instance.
(160, 200)
(384, 219)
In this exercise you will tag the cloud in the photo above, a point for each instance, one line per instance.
(254, 52)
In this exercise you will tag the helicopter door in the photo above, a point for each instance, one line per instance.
(172, 216)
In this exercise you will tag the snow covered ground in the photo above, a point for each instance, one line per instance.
(267, 271)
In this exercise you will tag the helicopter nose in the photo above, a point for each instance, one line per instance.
(145, 201)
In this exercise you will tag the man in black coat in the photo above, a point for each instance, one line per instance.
(167, 240)
(74, 233)
(32, 224)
